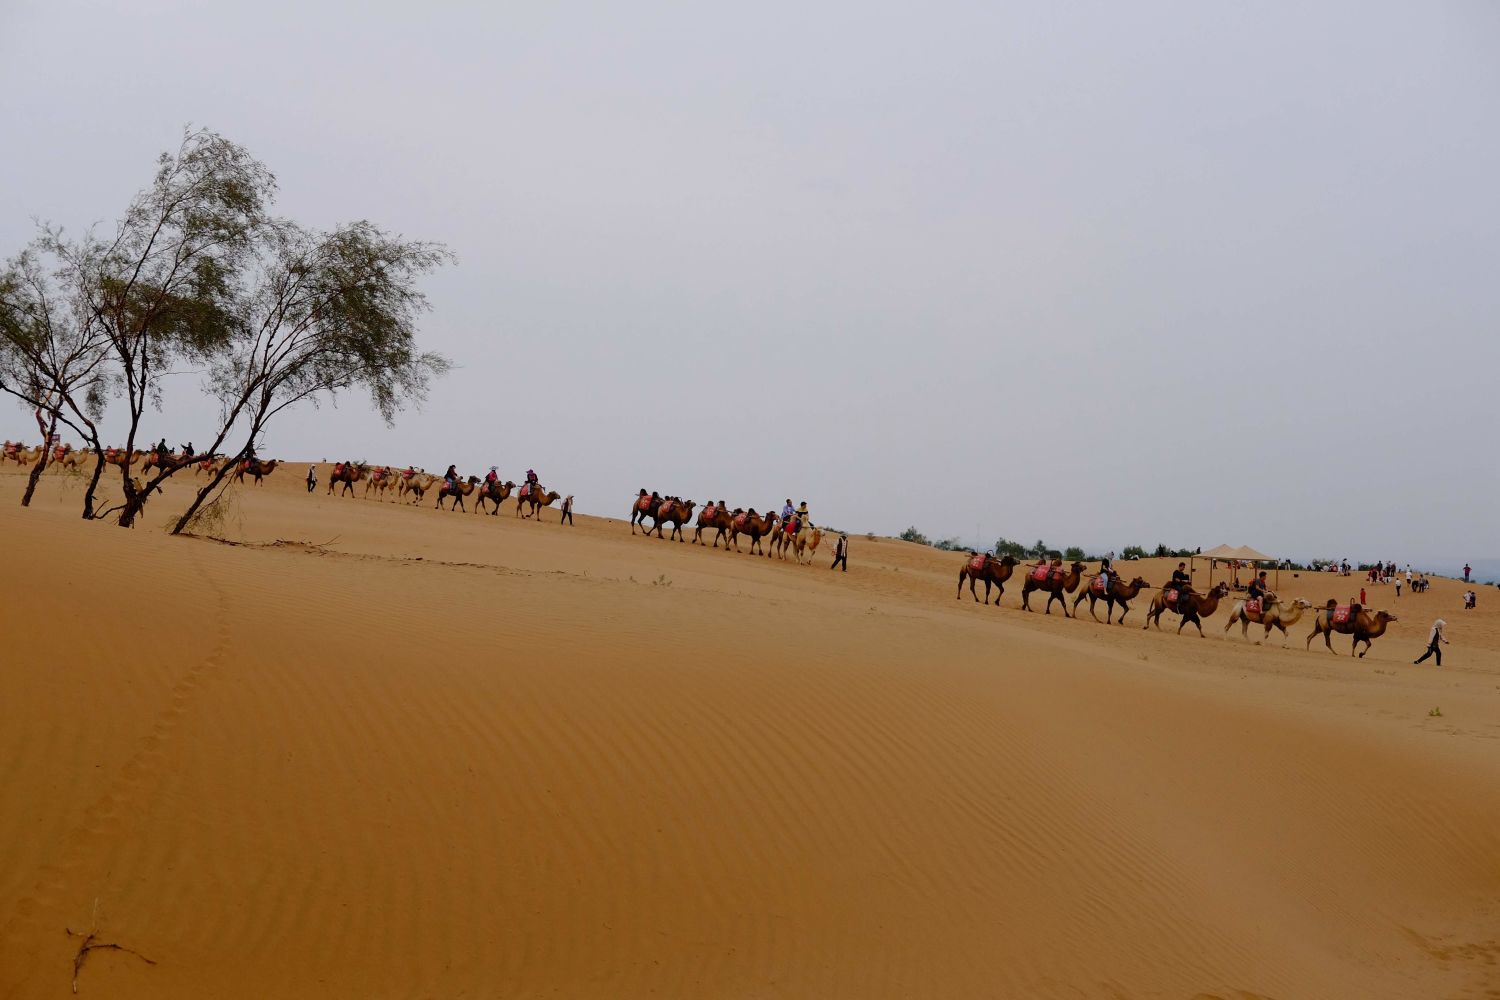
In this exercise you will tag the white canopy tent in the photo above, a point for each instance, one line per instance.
(1242, 553)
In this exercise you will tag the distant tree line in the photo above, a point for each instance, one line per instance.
(1040, 549)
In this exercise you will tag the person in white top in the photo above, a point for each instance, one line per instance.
(1435, 637)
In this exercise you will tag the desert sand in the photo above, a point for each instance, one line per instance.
(378, 751)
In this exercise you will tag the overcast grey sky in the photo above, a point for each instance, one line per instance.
(1103, 274)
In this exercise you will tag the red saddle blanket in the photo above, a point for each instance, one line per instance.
(976, 565)
(1171, 594)
(709, 512)
(1042, 573)
(1253, 606)
(739, 521)
(1097, 586)
(15, 449)
(59, 453)
(526, 492)
(111, 452)
(644, 503)
(1342, 614)
(338, 467)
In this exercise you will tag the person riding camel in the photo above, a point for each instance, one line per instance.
(492, 477)
(1259, 590)
(161, 450)
(787, 511)
(1182, 580)
(450, 479)
(530, 485)
(1106, 572)
(802, 519)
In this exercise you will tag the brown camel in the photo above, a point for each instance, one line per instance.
(1192, 607)
(676, 512)
(210, 465)
(457, 491)
(495, 493)
(256, 469)
(715, 516)
(22, 456)
(345, 475)
(1055, 581)
(747, 523)
(983, 566)
(1358, 623)
(642, 507)
(382, 478)
(536, 499)
(415, 482)
(163, 461)
(1119, 592)
(119, 456)
(1272, 614)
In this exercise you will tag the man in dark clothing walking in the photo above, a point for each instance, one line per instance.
(841, 553)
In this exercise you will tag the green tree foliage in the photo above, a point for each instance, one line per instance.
(1073, 553)
(1133, 552)
(1016, 550)
(913, 535)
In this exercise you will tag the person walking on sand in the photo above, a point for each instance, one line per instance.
(312, 478)
(1397, 581)
(1467, 570)
(1435, 637)
(567, 511)
(1362, 597)
(841, 553)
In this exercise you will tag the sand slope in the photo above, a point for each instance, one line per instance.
(454, 755)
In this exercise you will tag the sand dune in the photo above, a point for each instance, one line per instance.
(386, 751)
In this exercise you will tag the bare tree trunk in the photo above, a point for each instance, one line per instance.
(224, 472)
(41, 463)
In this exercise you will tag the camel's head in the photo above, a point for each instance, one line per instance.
(1077, 567)
(1138, 583)
(1302, 602)
(1007, 560)
(1221, 589)
(1385, 616)
(508, 485)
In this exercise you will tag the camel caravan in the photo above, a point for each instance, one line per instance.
(65, 458)
(772, 535)
(1260, 607)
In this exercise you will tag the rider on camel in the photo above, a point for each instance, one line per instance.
(803, 521)
(1182, 580)
(1106, 572)
(450, 479)
(1259, 589)
(492, 477)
